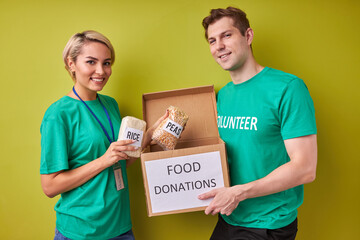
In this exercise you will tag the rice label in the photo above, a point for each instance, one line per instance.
(133, 134)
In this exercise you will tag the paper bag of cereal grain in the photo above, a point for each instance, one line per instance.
(169, 130)
(133, 129)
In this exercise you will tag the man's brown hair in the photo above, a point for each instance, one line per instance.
(238, 16)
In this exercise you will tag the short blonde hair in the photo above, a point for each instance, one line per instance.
(78, 40)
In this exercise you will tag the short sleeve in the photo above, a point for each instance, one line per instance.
(296, 111)
(54, 145)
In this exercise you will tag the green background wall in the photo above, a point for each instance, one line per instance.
(160, 46)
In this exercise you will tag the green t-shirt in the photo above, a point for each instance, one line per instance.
(254, 119)
(70, 138)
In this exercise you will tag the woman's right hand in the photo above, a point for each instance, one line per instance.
(150, 131)
(115, 152)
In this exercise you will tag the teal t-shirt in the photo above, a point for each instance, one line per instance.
(254, 119)
(70, 138)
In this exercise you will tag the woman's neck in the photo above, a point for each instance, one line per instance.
(84, 95)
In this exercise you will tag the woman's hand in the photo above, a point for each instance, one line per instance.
(157, 123)
(115, 152)
(150, 131)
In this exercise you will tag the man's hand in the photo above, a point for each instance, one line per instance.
(226, 199)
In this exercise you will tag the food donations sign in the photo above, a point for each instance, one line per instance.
(175, 183)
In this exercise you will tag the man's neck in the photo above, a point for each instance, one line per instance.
(245, 72)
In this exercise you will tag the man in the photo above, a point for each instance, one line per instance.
(266, 118)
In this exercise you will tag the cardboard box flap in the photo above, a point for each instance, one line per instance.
(199, 103)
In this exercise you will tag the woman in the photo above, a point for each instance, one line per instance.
(79, 151)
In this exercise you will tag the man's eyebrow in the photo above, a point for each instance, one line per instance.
(222, 33)
(226, 31)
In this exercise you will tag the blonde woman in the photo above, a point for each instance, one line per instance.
(79, 151)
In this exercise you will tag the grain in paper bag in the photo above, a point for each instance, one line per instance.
(169, 130)
(133, 129)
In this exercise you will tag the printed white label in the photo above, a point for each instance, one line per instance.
(175, 183)
(173, 128)
(134, 134)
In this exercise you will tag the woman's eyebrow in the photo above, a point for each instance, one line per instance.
(94, 58)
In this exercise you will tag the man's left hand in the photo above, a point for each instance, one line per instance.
(226, 199)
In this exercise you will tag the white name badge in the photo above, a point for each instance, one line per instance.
(134, 134)
(119, 180)
(173, 128)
